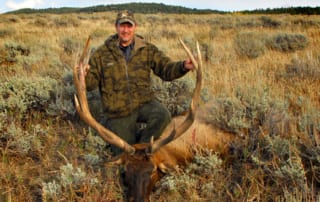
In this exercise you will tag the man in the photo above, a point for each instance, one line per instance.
(121, 68)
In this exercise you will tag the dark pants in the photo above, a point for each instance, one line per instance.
(147, 121)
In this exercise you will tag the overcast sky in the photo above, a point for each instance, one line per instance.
(223, 5)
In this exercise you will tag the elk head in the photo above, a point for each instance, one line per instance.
(143, 163)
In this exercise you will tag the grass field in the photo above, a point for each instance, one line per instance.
(262, 74)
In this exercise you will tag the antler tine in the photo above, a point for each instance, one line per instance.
(185, 125)
(82, 106)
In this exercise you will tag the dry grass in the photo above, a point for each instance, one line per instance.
(264, 86)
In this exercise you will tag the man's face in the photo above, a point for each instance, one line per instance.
(126, 33)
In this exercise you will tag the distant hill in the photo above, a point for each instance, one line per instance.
(162, 8)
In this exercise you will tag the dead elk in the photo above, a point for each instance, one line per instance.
(146, 163)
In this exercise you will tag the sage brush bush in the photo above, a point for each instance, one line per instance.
(21, 141)
(69, 45)
(196, 182)
(62, 105)
(269, 22)
(176, 95)
(249, 44)
(7, 32)
(15, 48)
(251, 110)
(70, 178)
(20, 94)
(66, 21)
(280, 162)
(300, 69)
(285, 42)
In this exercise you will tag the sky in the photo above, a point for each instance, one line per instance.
(225, 5)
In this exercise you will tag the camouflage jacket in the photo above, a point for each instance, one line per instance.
(125, 85)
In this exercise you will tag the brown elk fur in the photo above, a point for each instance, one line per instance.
(200, 134)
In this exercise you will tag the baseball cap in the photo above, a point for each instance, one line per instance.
(125, 16)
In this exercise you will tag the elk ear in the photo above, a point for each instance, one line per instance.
(167, 169)
(163, 168)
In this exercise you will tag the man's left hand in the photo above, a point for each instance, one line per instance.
(188, 65)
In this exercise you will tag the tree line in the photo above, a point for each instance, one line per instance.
(162, 8)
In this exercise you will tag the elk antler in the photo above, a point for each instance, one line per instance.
(177, 132)
(83, 107)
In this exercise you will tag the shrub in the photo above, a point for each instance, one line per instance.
(70, 178)
(203, 171)
(176, 95)
(65, 21)
(287, 42)
(251, 110)
(249, 44)
(21, 94)
(7, 32)
(301, 69)
(69, 45)
(169, 34)
(269, 22)
(40, 22)
(306, 23)
(14, 49)
(22, 141)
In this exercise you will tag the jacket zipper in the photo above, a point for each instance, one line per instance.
(128, 84)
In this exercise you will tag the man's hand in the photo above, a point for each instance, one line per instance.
(86, 69)
(188, 65)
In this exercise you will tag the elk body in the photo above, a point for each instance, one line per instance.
(145, 163)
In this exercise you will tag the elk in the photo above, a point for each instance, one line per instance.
(145, 163)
